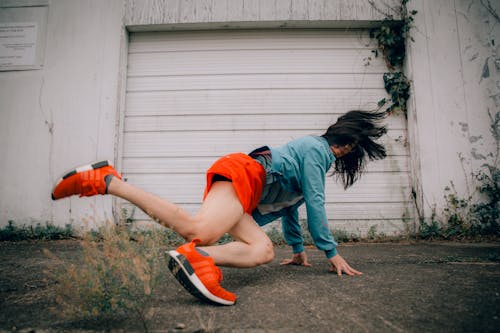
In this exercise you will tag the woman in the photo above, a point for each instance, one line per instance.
(244, 192)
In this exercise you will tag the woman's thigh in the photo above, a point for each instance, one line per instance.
(220, 212)
(249, 232)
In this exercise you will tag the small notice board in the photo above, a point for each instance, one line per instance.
(22, 35)
(18, 43)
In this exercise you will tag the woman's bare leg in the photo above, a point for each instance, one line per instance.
(252, 247)
(163, 211)
(220, 213)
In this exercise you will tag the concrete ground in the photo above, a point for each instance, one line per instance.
(406, 287)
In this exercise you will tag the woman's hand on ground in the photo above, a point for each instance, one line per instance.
(339, 265)
(299, 259)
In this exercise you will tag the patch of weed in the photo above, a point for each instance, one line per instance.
(12, 232)
(118, 274)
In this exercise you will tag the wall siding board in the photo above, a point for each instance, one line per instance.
(267, 10)
(232, 13)
(61, 115)
(479, 62)
(451, 98)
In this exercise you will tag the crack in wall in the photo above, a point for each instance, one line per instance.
(48, 120)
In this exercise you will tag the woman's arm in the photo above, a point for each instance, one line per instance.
(313, 188)
(292, 232)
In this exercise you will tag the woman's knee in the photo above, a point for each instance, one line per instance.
(264, 252)
(203, 232)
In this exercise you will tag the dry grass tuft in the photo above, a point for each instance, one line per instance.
(118, 273)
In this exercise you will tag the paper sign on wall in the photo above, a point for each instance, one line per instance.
(18, 44)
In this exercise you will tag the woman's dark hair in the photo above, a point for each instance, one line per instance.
(358, 128)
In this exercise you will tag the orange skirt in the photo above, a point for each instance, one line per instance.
(246, 174)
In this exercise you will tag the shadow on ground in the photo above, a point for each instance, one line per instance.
(417, 287)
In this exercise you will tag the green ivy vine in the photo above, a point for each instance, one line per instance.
(391, 37)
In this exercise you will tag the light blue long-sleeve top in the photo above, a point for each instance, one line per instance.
(295, 174)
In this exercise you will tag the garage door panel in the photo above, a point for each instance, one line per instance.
(228, 62)
(255, 81)
(218, 143)
(252, 102)
(214, 122)
(246, 40)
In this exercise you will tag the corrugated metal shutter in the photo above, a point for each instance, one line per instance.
(195, 96)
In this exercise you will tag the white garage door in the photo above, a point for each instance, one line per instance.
(194, 96)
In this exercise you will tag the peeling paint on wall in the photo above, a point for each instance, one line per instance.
(474, 139)
(486, 70)
(476, 155)
(496, 97)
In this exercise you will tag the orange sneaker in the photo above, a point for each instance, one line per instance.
(86, 180)
(198, 274)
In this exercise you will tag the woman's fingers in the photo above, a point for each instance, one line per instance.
(286, 262)
(346, 269)
(299, 259)
(355, 272)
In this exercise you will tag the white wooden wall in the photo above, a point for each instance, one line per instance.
(66, 113)
(193, 14)
(62, 115)
(454, 65)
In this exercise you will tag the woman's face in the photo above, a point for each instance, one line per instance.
(340, 151)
